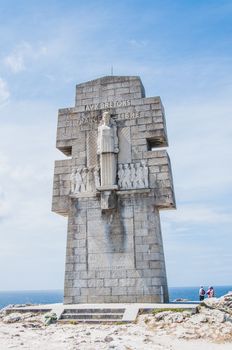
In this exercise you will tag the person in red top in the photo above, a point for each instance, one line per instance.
(210, 292)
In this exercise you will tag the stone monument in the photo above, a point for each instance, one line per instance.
(116, 178)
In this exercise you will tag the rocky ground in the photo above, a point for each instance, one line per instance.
(209, 329)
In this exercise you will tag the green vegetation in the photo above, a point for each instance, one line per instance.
(119, 323)
(156, 311)
(73, 322)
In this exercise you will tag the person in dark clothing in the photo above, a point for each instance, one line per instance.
(201, 293)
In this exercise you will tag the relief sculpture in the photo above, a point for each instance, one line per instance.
(78, 181)
(84, 180)
(133, 176)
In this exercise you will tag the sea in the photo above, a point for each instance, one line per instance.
(56, 296)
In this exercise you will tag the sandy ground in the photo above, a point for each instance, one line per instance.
(32, 334)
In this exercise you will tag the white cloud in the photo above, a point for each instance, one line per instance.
(138, 43)
(19, 59)
(4, 166)
(26, 172)
(4, 205)
(197, 214)
(15, 62)
(200, 148)
(4, 92)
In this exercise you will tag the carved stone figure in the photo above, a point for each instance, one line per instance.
(78, 181)
(73, 180)
(107, 149)
(139, 176)
(120, 175)
(84, 180)
(126, 178)
(96, 177)
(133, 175)
(84, 175)
(145, 174)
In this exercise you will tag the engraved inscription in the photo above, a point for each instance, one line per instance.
(111, 104)
(128, 115)
(89, 119)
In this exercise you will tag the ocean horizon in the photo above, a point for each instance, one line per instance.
(56, 295)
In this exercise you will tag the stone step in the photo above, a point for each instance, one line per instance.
(92, 315)
(27, 309)
(98, 316)
(91, 320)
(92, 311)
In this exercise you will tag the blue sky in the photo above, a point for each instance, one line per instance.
(182, 52)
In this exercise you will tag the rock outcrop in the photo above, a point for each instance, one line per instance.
(212, 322)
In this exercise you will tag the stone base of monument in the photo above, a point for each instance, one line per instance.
(101, 313)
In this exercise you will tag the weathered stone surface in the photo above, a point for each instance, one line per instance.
(210, 322)
(112, 189)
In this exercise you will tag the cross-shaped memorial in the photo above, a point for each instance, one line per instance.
(116, 178)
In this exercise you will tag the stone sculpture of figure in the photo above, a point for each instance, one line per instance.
(73, 180)
(78, 181)
(133, 175)
(145, 174)
(96, 177)
(84, 175)
(139, 176)
(120, 175)
(107, 148)
(126, 182)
